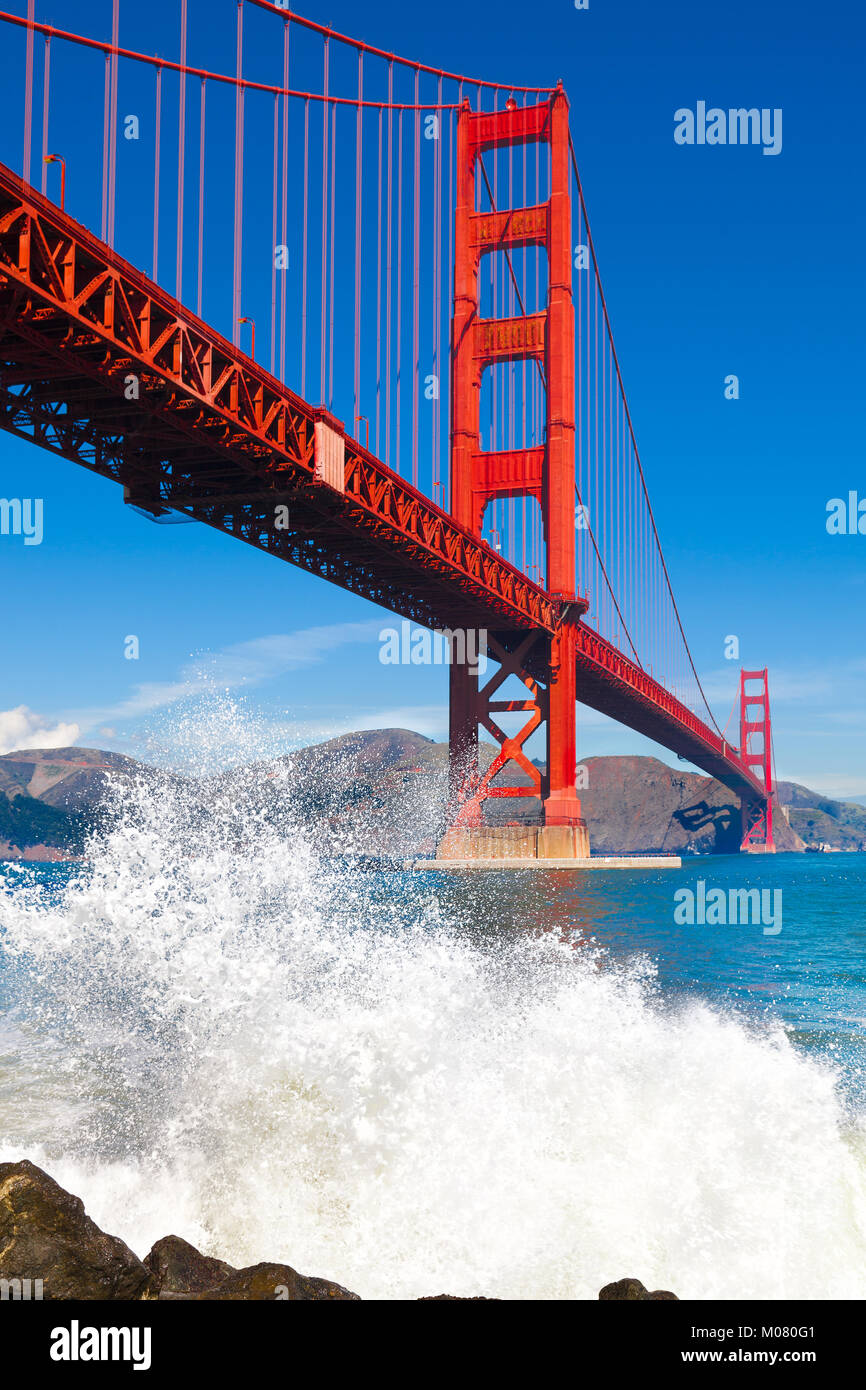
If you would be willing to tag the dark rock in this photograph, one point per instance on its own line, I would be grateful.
(456, 1298)
(179, 1268)
(274, 1282)
(45, 1234)
(633, 1291)
(630, 1290)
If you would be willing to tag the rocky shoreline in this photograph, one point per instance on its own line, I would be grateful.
(51, 1249)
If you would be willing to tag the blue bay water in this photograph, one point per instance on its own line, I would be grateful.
(810, 975)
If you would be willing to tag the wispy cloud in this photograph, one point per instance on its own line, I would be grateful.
(242, 665)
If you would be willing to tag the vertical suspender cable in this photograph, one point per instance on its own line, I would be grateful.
(45, 98)
(114, 110)
(181, 148)
(156, 141)
(619, 474)
(452, 206)
(275, 210)
(28, 88)
(437, 402)
(621, 502)
(596, 491)
(359, 145)
(399, 211)
(304, 250)
(379, 183)
(333, 241)
(645, 570)
(238, 248)
(106, 124)
(388, 265)
(200, 200)
(324, 261)
(437, 298)
(285, 195)
(112, 122)
(416, 287)
(608, 548)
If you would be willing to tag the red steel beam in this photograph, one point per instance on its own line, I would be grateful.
(66, 294)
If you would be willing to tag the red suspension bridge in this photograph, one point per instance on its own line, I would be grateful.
(412, 248)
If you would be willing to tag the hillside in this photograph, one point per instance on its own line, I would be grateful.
(30, 829)
(70, 778)
(383, 792)
(821, 820)
(48, 798)
(643, 804)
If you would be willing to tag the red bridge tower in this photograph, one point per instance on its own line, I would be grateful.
(544, 664)
(756, 752)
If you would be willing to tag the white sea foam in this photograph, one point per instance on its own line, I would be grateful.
(217, 1035)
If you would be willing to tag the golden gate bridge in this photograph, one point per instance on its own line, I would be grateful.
(439, 423)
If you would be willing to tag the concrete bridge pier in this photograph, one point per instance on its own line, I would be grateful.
(523, 842)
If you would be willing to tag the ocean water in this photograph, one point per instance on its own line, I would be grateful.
(523, 1085)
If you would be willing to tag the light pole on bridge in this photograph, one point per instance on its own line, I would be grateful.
(58, 159)
(252, 324)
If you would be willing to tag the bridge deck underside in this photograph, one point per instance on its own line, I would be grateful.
(208, 432)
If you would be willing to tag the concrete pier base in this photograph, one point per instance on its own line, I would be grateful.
(531, 847)
(599, 863)
(503, 842)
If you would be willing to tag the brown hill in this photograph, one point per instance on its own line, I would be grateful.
(638, 804)
(69, 778)
(383, 792)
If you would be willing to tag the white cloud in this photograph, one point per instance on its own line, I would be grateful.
(24, 728)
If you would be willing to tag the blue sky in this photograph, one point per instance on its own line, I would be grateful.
(714, 260)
